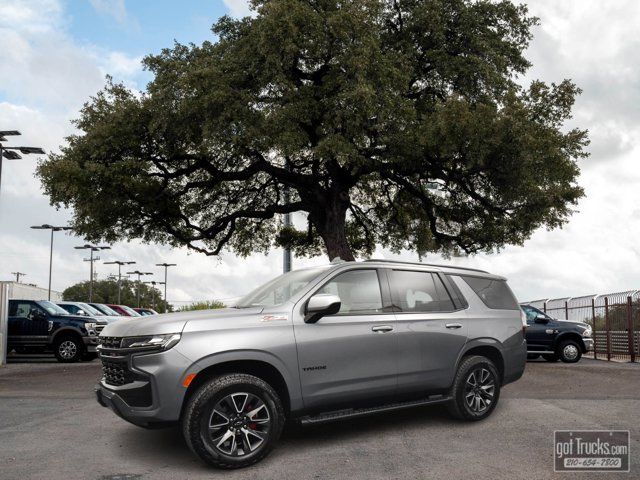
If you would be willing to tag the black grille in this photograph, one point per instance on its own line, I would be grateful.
(110, 342)
(116, 373)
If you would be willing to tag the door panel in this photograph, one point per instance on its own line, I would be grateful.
(428, 350)
(431, 334)
(349, 357)
(343, 360)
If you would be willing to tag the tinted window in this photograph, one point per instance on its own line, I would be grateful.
(20, 309)
(494, 293)
(359, 291)
(420, 292)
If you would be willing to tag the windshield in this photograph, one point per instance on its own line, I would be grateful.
(280, 289)
(106, 310)
(52, 308)
(89, 310)
(130, 311)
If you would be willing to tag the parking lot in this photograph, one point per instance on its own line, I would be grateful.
(52, 428)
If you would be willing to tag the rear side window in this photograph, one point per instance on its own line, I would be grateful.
(494, 293)
(419, 292)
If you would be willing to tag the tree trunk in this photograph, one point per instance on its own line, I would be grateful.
(330, 225)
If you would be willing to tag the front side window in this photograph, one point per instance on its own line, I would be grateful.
(420, 292)
(20, 309)
(359, 291)
(533, 313)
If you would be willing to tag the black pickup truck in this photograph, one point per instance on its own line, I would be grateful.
(556, 339)
(38, 326)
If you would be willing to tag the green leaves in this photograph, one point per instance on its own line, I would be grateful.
(395, 123)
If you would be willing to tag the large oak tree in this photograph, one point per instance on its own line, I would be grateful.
(401, 123)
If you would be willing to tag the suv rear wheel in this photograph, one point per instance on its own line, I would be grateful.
(476, 389)
(233, 421)
(569, 351)
(68, 349)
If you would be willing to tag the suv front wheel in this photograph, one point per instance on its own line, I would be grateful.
(476, 389)
(233, 421)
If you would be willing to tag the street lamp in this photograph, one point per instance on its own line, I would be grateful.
(139, 273)
(153, 284)
(166, 266)
(92, 248)
(10, 153)
(120, 263)
(53, 229)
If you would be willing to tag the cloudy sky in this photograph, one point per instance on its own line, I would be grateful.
(56, 53)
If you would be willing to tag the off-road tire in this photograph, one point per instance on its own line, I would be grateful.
(196, 417)
(458, 406)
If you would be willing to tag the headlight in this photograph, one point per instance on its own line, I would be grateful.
(90, 328)
(151, 342)
(587, 331)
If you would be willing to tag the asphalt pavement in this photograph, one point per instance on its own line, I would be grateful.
(52, 428)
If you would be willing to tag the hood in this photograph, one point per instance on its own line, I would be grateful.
(574, 322)
(169, 322)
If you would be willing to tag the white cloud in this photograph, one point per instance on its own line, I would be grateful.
(113, 8)
(239, 8)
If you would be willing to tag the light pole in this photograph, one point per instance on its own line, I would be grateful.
(120, 263)
(139, 273)
(10, 152)
(18, 275)
(53, 229)
(166, 266)
(92, 248)
(153, 284)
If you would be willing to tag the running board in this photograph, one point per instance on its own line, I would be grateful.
(363, 412)
(540, 352)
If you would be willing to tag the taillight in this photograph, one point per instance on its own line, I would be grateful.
(523, 318)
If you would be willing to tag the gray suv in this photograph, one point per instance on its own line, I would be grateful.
(316, 345)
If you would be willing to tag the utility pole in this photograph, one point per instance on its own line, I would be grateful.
(18, 275)
(139, 273)
(120, 263)
(91, 259)
(166, 266)
(53, 229)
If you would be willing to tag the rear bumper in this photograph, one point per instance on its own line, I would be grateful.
(515, 360)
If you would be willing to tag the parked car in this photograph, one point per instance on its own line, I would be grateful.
(124, 310)
(37, 326)
(146, 311)
(317, 345)
(556, 339)
(105, 309)
(84, 309)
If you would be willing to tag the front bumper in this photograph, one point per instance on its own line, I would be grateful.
(90, 343)
(153, 392)
(588, 344)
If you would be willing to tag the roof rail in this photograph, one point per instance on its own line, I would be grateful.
(425, 264)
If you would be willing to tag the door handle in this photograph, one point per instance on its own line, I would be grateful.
(382, 328)
(453, 325)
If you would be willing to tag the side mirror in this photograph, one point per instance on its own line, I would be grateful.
(541, 319)
(81, 312)
(37, 315)
(320, 305)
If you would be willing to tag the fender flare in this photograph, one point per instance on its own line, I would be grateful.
(291, 380)
(572, 336)
(64, 330)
